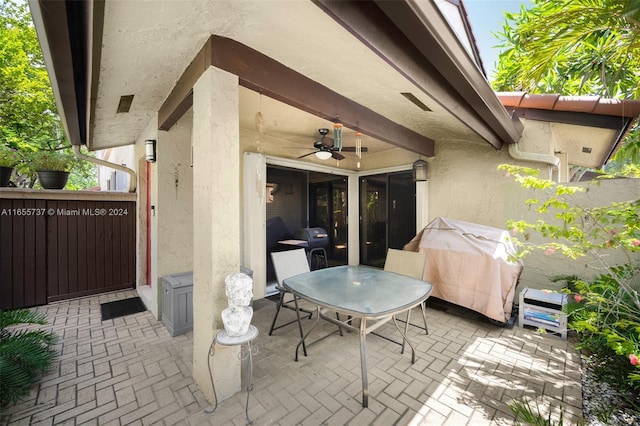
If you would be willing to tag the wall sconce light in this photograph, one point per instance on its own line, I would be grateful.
(420, 168)
(150, 150)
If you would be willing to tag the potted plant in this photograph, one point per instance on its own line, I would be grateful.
(9, 157)
(51, 167)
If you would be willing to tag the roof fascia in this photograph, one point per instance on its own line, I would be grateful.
(426, 28)
(585, 104)
(577, 118)
(616, 143)
(469, 30)
(60, 26)
(401, 35)
(94, 54)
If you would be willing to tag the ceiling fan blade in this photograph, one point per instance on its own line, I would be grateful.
(306, 155)
(337, 155)
(353, 149)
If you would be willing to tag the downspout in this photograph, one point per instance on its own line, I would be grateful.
(131, 173)
(549, 159)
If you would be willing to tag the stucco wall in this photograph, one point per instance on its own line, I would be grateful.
(464, 183)
(174, 210)
(539, 268)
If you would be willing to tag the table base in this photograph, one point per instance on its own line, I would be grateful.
(362, 330)
(224, 339)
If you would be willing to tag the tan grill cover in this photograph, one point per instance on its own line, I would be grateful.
(468, 265)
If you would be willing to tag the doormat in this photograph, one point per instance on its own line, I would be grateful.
(120, 308)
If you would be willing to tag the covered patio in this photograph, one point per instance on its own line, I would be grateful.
(129, 370)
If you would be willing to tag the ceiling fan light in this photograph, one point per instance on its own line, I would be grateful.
(323, 155)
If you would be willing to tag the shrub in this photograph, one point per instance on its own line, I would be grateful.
(9, 157)
(24, 354)
(605, 310)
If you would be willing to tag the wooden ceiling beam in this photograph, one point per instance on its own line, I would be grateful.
(264, 75)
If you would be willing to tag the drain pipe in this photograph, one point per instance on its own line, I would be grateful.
(549, 159)
(131, 173)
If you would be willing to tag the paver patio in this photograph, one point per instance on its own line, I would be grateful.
(130, 371)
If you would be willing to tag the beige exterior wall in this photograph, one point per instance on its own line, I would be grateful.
(539, 268)
(217, 222)
(174, 208)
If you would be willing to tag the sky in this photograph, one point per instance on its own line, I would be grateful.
(487, 17)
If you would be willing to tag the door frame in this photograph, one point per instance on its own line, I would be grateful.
(254, 208)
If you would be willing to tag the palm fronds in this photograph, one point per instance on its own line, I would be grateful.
(24, 353)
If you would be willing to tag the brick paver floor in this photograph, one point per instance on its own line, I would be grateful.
(130, 371)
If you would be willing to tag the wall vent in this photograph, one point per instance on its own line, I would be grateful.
(125, 103)
(417, 102)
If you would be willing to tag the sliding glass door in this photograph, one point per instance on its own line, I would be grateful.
(298, 199)
(387, 215)
(328, 210)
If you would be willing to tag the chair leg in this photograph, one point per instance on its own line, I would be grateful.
(406, 329)
(275, 317)
(424, 316)
(282, 304)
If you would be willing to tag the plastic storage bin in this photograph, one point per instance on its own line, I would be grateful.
(177, 303)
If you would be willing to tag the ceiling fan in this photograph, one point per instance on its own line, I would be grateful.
(325, 149)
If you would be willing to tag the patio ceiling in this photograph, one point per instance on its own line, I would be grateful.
(367, 52)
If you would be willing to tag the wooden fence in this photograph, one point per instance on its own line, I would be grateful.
(58, 245)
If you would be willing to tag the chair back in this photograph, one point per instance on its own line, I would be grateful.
(289, 263)
(409, 263)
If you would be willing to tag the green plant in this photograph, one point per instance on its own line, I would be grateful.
(607, 316)
(51, 160)
(9, 157)
(523, 411)
(24, 354)
(606, 310)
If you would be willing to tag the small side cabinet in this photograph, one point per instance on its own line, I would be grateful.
(177, 303)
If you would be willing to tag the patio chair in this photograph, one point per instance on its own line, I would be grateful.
(287, 264)
(409, 263)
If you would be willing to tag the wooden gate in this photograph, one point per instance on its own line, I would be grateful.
(53, 249)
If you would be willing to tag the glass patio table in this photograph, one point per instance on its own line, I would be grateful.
(370, 295)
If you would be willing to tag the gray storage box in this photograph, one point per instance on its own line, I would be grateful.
(177, 302)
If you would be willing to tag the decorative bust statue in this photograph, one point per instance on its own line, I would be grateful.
(236, 317)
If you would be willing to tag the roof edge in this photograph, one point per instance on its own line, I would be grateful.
(585, 104)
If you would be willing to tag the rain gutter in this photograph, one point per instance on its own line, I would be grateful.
(130, 172)
(548, 159)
